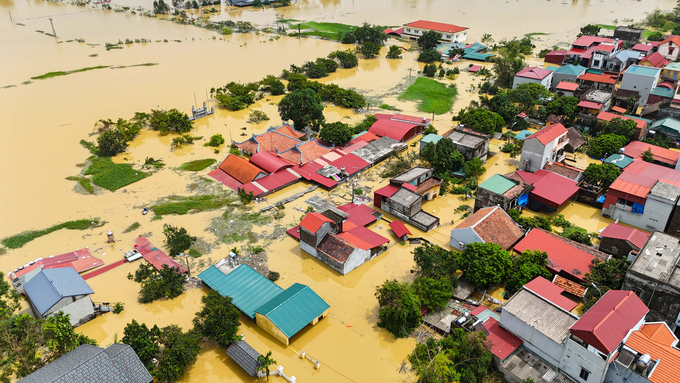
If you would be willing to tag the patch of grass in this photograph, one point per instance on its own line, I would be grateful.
(327, 30)
(19, 240)
(90, 146)
(536, 34)
(84, 182)
(112, 176)
(390, 107)
(93, 55)
(196, 165)
(647, 33)
(194, 253)
(181, 205)
(433, 95)
(608, 27)
(8, 86)
(132, 227)
(64, 73)
(3, 250)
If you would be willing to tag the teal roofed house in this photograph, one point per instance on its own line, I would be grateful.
(669, 127)
(567, 73)
(433, 138)
(506, 191)
(620, 160)
(477, 56)
(523, 135)
(281, 313)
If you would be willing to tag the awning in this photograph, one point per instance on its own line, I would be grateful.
(399, 228)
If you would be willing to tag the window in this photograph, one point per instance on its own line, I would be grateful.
(670, 50)
(584, 374)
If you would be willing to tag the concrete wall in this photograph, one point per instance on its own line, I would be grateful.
(639, 83)
(618, 373)
(535, 152)
(619, 248)
(454, 38)
(465, 235)
(264, 323)
(330, 261)
(517, 81)
(557, 78)
(539, 344)
(575, 357)
(356, 259)
(665, 51)
(485, 198)
(655, 216)
(662, 300)
(79, 308)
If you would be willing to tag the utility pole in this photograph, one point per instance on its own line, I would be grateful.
(299, 30)
(53, 31)
(409, 72)
(10, 17)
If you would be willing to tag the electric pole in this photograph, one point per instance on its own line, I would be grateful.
(53, 31)
(10, 17)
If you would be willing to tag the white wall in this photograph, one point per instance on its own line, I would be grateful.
(655, 216)
(535, 152)
(465, 235)
(308, 248)
(541, 345)
(576, 357)
(356, 259)
(663, 50)
(77, 310)
(546, 82)
(450, 37)
(639, 83)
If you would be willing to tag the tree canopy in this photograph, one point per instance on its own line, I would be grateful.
(304, 108)
(177, 239)
(433, 293)
(399, 308)
(563, 106)
(620, 127)
(485, 264)
(166, 283)
(504, 107)
(432, 261)
(529, 94)
(589, 30)
(170, 121)
(347, 58)
(144, 341)
(608, 275)
(370, 33)
(394, 52)
(336, 133)
(429, 40)
(482, 120)
(605, 144)
(180, 349)
(443, 156)
(218, 319)
(529, 265)
(508, 62)
(429, 55)
(236, 96)
(601, 174)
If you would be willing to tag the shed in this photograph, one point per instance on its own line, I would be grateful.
(290, 311)
(551, 292)
(523, 135)
(619, 240)
(491, 224)
(550, 190)
(61, 289)
(247, 288)
(620, 160)
(245, 356)
(429, 138)
(502, 343)
(669, 127)
(399, 229)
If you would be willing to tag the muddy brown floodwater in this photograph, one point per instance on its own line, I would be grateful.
(44, 120)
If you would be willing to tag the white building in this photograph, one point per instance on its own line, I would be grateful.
(61, 289)
(450, 33)
(546, 145)
(670, 48)
(534, 75)
(641, 79)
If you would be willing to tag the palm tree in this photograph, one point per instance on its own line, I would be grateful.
(265, 362)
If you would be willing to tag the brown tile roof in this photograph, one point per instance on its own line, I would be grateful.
(240, 168)
(518, 189)
(335, 247)
(312, 150)
(570, 286)
(428, 185)
(492, 224)
(554, 119)
(268, 141)
(563, 170)
(575, 138)
(289, 131)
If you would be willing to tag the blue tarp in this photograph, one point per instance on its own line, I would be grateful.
(600, 199)
(523, 199)
(638, 208)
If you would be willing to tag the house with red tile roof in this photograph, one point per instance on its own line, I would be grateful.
(602, 81)
(619, 240)
(655, 60)
(551, 292)
(543, 146)
(670, 48)
(450, 33)
(487, 225)
(398, 126)
(662, 156)
(598, 335)
(536, 75)
(240, 169)
(641, 125)
(582, 50)
(269, 141)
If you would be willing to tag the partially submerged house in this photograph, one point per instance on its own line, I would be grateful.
(535, 75)
(574, 140)
(114, 364)
(550, 190)
(640, 124)
(545, 145)
(668, 127)
(420, 180)
(63, 289)
(281, 313)
(508, 192)
(619, 240)
(470, 143)
(450, 33)
(245, 356)
(487, 225)
(399, 127)
(602, 82)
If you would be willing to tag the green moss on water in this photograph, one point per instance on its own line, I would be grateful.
(197, 165)
(112, 176)
(19, 240)
(84, 182)
(433, 95)
(194, 253)
(64, 73)
(182, 205)
(132, 227)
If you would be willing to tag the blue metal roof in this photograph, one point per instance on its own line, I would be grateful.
(433, 138)
(643, 70)
(49, 286)
(571, 69)
(620, 160)
(663, 92)
(477, 56)
(523, 135)
(245, 286)
(294, 308)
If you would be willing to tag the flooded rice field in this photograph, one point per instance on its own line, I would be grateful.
(44, 120)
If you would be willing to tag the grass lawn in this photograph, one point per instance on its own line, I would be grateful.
(433, 95)
(608, 27)
(197, 165)
(84, 182)
(327, 30)
(182, 205)
(19, 240)
(64, 73)
(113, 176)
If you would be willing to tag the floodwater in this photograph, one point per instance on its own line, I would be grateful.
(44, 120)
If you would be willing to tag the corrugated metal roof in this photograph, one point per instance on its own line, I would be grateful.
(48, 286)
(434, 26)
(534, 72)
(636, 148)
(574, 70)
(551, 292)
(523, 135)
(549, 186)
(620, 160)
(269, 162)
(643, 70)
(399, 228)
(433, 138)
(240, 168)
(294, 308)
(590, 105)
(497, 184)
(245, 286)
(634, 236)
(501, 342)
(313, 221)
(387, 191)
(361, 215)
(549, 133)
(611, 318)
(668, 123)
(656, 59)
(245, 356)
(363, 238)
(564, 85)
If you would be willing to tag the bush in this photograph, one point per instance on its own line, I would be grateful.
(433, 293)
(111, 142)
(394, 52)
(605, 145)
(430, 70)
(577, 234)
(215, 140)
(170, 121)
(364, 125)
(118, 308)
(429, 56)
(273, 276)
(369, 49)
(601, 174)
(347, 59)
(336, 133)
(257, 116)
(177, 239)
(399, 308)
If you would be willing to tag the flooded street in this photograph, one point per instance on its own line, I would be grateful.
(44, 120)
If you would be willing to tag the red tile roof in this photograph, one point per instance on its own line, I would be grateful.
(590, 105)
(501, 342)
(673, 39)
(268, 141)
(636, 148)
(434, 26)
(289, 131)
(564, 255)
(335, 247)
(549, 187)
(640, 47)
(387, 191)
(656, 59)
(156, 257)
(239, 168)
(313, 221)
(564, 85)
(269, 162)
(608, 322)
(399, 228)
(619, 109)
(667, 370)
(606, 116)
(636, 237)
(550, 292)
(226, 180)
(396, 126)
(494, 225)
(363, 238)
(534, 72)
(361, 215)
(563, 170)
(600, 78)
(549, 133)
(570, 286)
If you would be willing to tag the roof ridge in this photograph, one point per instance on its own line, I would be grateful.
(61, 294)
(493, 209)
(610, 313)
(101, 349)
(289, 298)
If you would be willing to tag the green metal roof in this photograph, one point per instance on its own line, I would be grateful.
(477, 56)
(552, 68)
(433, 138)
(663, 92)
(667, 123)
(497, 184)
(571, 69)
(294, 308)
(245, 286)
(673, 66)
(523, 135)
(643, 70)
(619, 160)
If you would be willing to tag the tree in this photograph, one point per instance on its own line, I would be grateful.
(433, 293)
(648, 156)
(315, 70)
(347, 58)
(218, 319)
(265, 361)
(605, 144)
(111, 142)
(430, 70)
(436, 263)
(364, 125)
(170, 121)
(474, 169)
(394, 52)
(61, 337)
(336, 133)
(529, 265)
(369, 49)
(610, 273)
(235, 96)
(601, 174)
(429, 56)
(399, 308)
(487, 39)
(429, 40)
(655, 36)
(577, 234)
(144, 342)
(257, 3)
(160, 7)
(179, 350)
(304, 108)
(501, 104)
(167, 282)
(485, 264)
(621, 127)
(589, 30)
(507, 63)
(563, 106)
(443, 156)
(177, 239)
(659, 140)
(370, 33)
(529, 94)
(482, 120)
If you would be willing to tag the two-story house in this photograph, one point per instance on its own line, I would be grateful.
(546, 145)
(670, 48)
(534, 75)
(640, 79)
(450, 33)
